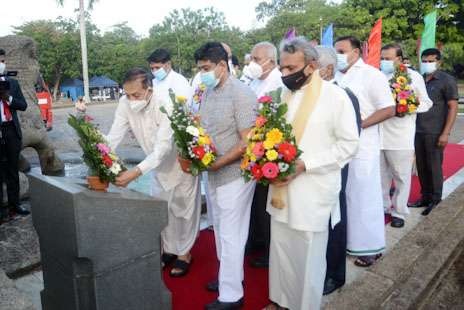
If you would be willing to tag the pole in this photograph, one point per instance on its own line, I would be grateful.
(85, 69)
(320, 33)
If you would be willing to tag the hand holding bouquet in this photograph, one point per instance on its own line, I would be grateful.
(403, 94)
(271, 152)
(97, 155)
(196, 150)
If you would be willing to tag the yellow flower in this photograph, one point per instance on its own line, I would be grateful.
(249, 150)
(253, 157)
(245, 162)
(196, 98)
(202, 87)
(272, 155)
(402, 80)
(207, 159)
(181, 99)
(275, 135)
(403, 102)
(412, 108)
(202, 140)
(202, 131)
(113, 156)
(268, 144)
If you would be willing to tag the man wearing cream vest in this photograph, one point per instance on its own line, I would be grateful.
(139, 111)
(324, 124)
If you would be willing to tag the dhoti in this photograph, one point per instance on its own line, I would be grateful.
(184, 209)
(297, 266)
(366, 223)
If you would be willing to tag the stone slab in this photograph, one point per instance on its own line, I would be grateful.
(10, 297)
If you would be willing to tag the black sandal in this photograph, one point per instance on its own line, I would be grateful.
(167, 259)
(183, 266)
(367, 261)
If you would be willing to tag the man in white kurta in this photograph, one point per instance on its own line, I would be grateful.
(397, 141)
(366, 226)
(328, 138)
(140, 112)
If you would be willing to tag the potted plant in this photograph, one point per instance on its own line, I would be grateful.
(104, 166)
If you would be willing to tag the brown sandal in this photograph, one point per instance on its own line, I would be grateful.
(367, 260)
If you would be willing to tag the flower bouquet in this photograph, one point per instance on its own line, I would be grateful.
(403, 94)
(271, 152)
(104, 166)
(196, 150)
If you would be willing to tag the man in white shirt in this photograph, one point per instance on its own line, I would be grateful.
(165, 77)
(324, 124)
(139, 111)
(266, 77)
(366, 226)
(397, 140)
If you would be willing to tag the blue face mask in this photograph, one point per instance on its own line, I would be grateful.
(387, 66)
(160, 74)
(428, 67)
(209, 79)
(342, 62)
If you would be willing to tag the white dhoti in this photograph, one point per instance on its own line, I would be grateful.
(232, 205)
(209, 207)
(366, 223)
(184, 209)
(297, 266)
(396, 165)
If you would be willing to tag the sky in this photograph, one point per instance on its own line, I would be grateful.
(140, 14)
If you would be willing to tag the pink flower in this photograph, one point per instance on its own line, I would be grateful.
(396, 85)
(258, 150)
(265, 99)
(103, 148)
(403, 94)
(260, 121)
(270, 170)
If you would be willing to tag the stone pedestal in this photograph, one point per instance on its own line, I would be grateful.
(98, 250)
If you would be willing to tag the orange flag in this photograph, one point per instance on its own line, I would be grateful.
(375, 44)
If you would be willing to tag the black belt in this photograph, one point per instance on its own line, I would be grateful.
(7, 124)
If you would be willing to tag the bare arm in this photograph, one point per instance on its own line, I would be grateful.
(378, 117)
(233, 154)
(450, 119)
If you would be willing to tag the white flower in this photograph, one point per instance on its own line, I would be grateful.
(115, 168)
(283, 167)
(193, 131)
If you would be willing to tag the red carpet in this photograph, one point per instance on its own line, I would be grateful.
(189, 293)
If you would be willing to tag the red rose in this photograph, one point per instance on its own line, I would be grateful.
(257, 172)
(199, 152)
(265, 99)
(403, 68)
(107, 161)
(288, 151)
(402, 108)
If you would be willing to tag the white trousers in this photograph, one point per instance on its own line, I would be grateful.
(184, 210)
(396, 165)
(297, 266)
(209, 207)
(231, 207)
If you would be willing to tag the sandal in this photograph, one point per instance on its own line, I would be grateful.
(366, 261)
(167, 259)
(183, 266)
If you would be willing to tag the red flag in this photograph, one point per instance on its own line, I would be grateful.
(375, 44)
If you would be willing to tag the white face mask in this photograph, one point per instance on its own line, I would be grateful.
(2, 67)
(138, 105)
(428, 67)
(253, 70)
(342, 62)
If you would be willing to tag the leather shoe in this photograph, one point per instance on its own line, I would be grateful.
(397, 222)
(260, 262)
(219, 305)
(429, 208)
(19, 209)
(213, 286)
(419, 203)
(330, 285)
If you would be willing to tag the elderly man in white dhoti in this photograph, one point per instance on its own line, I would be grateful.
(366, 224)
(324, 124)
(139, 111)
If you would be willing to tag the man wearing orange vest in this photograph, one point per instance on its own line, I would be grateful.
(45, 104)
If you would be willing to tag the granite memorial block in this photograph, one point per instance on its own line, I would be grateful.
(98, 250)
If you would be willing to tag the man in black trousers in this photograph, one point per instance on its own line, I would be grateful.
(336, 245)
(433, 129)
(11, 100)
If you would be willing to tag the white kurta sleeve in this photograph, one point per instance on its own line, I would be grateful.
(379, 90)
(425, 103)
(119, 127)
(345, 131)
(163, 141)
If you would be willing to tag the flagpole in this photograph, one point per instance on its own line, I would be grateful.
(320, 33)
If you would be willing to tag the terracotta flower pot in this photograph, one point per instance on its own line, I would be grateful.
(96, 184)
(184, 164)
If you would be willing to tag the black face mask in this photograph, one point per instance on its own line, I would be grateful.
(295, 80)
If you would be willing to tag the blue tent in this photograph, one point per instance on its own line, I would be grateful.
(72, 88)
(102, 82)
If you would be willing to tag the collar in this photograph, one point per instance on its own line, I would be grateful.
(436, 75)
